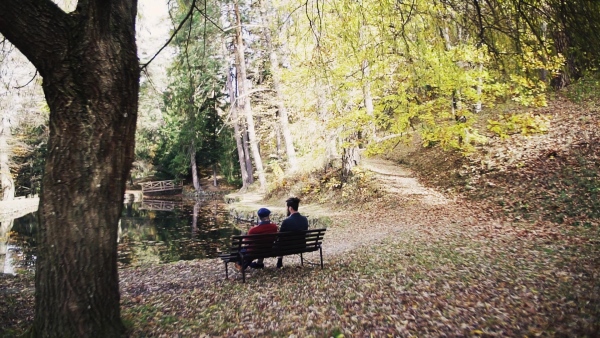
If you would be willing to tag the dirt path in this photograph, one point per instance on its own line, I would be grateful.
(408, 206)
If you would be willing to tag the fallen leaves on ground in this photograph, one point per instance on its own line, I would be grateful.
(451, 275)
(393, 267)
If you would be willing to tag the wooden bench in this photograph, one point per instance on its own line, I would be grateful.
(250, 247)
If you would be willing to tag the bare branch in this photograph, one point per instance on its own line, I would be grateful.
(187, 16)
(28, 82)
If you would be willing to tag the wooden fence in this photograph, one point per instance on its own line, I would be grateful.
(160, 186)
(161, 205)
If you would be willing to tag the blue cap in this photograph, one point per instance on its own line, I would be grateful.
(263, 212)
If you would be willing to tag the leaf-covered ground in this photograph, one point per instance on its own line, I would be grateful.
(412, 262)
(457, 276)
(553, 176)
(394, 267)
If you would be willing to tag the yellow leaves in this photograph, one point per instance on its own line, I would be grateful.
(523, 123)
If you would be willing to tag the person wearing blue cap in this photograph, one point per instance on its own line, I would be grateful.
(264, 226)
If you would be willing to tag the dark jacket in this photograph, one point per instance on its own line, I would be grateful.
(295, 222)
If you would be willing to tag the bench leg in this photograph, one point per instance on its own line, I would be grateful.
(226, 271)
(321, 253)
(243, 273)
(301, 260)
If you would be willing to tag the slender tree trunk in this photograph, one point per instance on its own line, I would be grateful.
(244, 98)
(195, 219)
(195, 180)
(280, 99)
(350, 159)
(247, 159)
(479, 103)
(214, 170)
(368, 97)
(90, 71)
(236, 131)
(244, 133)
(368, 100)
(7, 183)
(544, 71)
(5, 227)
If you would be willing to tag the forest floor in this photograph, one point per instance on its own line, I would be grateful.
(420, 259)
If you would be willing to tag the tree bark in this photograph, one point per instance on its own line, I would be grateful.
(244, 98)
(214, 170)
(5, 227)
(236, 131)
(194, 165)
(350, 159)
(90, 71)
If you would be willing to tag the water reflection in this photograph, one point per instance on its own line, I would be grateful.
(150, 232)
(166, 231)
(17, 244)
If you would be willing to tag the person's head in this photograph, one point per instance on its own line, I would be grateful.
(293, 203)
(263, 214)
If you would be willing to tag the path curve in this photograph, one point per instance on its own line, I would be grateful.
(410, 208)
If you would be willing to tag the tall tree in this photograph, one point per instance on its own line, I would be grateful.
(196, 78)
(237, 131)
(267, 12)
(90, 72)
(244, 96)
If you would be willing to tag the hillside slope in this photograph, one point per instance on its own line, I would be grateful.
(542, 177)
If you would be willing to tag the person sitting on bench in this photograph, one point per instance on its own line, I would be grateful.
(264, 226)
(294, 221)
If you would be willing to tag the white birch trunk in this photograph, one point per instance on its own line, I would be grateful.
(6, 181)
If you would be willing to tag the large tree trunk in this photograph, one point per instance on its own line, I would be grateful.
(90, 76)
(244, 97)
(562, 45)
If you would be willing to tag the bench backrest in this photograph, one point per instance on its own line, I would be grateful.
(281, 243)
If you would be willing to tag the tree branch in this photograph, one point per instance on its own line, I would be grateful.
(187, 16)
(35, 27)
(28, 82)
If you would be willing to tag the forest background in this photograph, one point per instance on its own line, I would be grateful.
(323, 84)
(293, 94)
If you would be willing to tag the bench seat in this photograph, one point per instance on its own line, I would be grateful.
(250, 247)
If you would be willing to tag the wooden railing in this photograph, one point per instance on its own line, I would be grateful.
(160, 186)
(161, 205)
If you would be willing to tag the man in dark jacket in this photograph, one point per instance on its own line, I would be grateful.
(294, 221)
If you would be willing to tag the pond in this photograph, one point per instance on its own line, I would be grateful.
(150, 232)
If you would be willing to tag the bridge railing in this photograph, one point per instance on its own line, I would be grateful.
(161, 205)
(161, 186)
